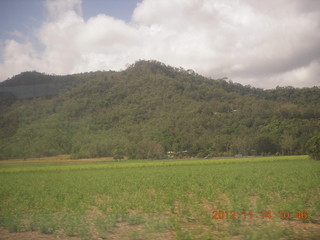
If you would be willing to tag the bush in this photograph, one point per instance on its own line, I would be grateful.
(313, 147)
(117, 154)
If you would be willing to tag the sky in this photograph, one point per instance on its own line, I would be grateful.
(264, 44)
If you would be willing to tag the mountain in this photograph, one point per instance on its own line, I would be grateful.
(33, 84)
(150, 110)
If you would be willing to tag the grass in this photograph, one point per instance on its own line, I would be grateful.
(162, 199)
(54, 166)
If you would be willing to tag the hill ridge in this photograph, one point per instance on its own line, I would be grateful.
(151, 109)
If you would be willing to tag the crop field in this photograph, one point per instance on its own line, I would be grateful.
(236, 198)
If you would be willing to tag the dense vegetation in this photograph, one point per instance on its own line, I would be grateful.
(313, 147)
(166, 199)
(151, 109)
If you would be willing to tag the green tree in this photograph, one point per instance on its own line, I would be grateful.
(118, 154)
(266, 145)
(313, 147)
(287, 143)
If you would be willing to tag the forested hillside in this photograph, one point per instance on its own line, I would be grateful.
(151, 109)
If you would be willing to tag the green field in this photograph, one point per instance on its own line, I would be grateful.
(167, 199)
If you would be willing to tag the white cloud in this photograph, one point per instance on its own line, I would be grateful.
(59, 8)
(262, 43)
(17, 56)
(300, 76)
(249, 41)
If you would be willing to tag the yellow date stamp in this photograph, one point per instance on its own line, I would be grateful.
(220, 214)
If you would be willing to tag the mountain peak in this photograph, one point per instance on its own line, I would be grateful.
(156, 67)
(27, 78)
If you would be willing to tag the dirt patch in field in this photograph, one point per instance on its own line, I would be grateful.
(6, 235)
(304, 230)
(222, 199)
(253, 201)
(124, 231)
